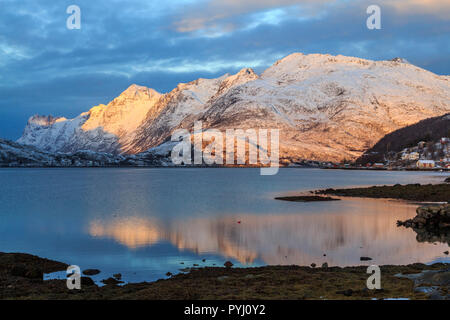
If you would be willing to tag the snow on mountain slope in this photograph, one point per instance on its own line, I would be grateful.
(13, 154)
(100, 129)
(182, 107)
(326, 107)
(330, 108)
(125, 113)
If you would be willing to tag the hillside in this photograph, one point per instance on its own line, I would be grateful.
(428, 130)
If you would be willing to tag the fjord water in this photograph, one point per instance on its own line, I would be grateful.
(144, 223)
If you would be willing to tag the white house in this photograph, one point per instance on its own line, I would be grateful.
(414, 156)
(425, 164)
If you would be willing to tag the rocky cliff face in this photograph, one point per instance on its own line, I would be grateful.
(326, 107)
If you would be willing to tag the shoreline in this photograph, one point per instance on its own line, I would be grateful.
(21, 278)
(21, 275)
(431, 193)
(442, 170)
(435, 193)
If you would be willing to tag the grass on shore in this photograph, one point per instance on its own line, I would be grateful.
(271, 282)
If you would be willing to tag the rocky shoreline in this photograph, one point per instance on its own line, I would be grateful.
(21, 277)
(410, 192)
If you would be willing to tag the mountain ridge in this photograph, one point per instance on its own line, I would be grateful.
(327, 108)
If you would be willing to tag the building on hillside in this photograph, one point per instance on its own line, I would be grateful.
(425, 164)
(421, 144)
(405, 156)
(378, 165)
(413, 156)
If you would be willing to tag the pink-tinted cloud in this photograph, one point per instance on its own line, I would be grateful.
(215, 14)
(438, 8)
(227, 15)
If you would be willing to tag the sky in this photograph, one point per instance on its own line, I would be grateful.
(47, 68)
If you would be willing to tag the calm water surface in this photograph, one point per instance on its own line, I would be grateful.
(145, 222)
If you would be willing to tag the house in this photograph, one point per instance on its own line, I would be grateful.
(378, 165)
(414, 156)
(425, 164)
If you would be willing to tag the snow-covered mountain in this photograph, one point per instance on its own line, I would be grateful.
(326, 107)
(13, 154)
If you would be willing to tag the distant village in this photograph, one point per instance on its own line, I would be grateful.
(423, 156)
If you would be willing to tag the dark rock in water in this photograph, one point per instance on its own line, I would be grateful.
(228, 264)
(365, 258)
(447, 180)
(169, 274)
(434, 283)
(306, 198)
(203, 260)
(111, 281)
(446, 252)
(91, 272)
(432, 223)
(117, 276)
(86, 281)
(313, 265)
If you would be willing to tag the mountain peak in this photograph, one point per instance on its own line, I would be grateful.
(247, 72)
(45, 121)
(326, 107)
(400, 60)
(137, 91)
(317, 59)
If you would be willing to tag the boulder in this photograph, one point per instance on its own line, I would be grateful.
(432, 223)
(91, 272)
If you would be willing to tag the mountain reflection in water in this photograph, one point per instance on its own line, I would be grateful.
(146, 222)
(355, 228)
